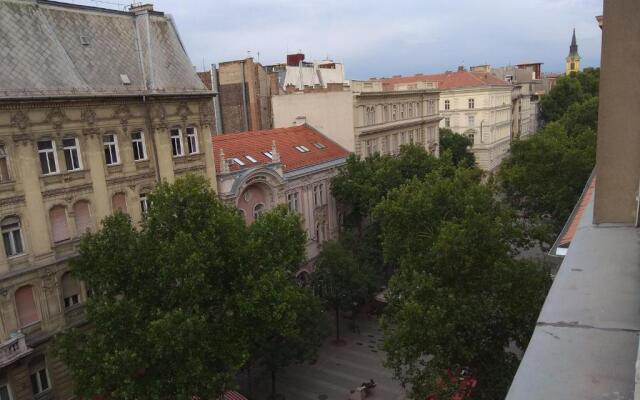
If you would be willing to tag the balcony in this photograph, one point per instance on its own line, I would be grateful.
(13, 349)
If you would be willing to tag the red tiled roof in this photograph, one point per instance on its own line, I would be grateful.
(575, 218)
(254, 143)
(448, 80)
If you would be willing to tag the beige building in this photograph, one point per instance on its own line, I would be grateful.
(96, 107)
(294, 166)
(364, 118)
(472, 103)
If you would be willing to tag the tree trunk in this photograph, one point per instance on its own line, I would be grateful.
(273, 383)
(337, 324)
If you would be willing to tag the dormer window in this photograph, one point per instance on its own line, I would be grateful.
(253, 160)
(268, 154)
(319, 145)
(238, 161)
(302, 149)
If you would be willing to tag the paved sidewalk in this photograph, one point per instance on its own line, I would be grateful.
(338, 370)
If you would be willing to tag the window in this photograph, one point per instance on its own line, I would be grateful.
(403, 110)
(70, 290)
(237, 161)
(26, 306)
(176, 142)
(258, 210)
(71, 156)
(370, 117)
(318, 195)
(5, 393)
(268, 154)
(12, 236)
(137, 142)
(144, 203)
(385, 145)
(385, 113)
(471, 103)
(471, 138)
(394, 143)
(39, 378)
(48, 157)
(372, 147)
(110, 142)
(82, 217)
(411, 137)
(302, 149)
(4, 168)
(394, 112)
(447, 122)
(419, 136)
(447, 105)
(192, 140)
(410, 110)
(119, 202)
(253, 160)
(292, 201)
(472, 121)
(59, 227)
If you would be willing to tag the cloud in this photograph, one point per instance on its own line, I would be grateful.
(380, 38)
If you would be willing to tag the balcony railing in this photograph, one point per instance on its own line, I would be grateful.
(13, 349)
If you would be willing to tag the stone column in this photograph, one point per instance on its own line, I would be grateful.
(39, 242)
(95, 163)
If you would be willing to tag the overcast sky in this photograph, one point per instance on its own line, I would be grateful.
(390, 37)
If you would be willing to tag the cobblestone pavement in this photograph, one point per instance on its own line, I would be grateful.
(338, 370)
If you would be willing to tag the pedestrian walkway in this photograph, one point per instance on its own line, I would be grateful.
(338, 370)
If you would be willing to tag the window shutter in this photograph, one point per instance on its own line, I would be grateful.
(26, 306)
(58, 217)
(119, 203)
(83, 218)
(70, 285)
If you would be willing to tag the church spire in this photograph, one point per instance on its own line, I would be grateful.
(573, 49)
(573, 60)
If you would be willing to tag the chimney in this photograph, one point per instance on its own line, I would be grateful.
(294, 60)
(140, 7)
(460, 68)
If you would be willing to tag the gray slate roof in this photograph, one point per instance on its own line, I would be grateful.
(42, 53)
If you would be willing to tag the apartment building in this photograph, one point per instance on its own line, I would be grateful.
(363, 118)
(472, 103)
(294, 166)
(96, 107)
(244, 90)
(298, 73)
(585, 343)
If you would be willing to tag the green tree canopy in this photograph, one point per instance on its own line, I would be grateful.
(568, 90)
(458, 298)
(458, 145)
(174, 301)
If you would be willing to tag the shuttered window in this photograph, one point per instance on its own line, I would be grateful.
(70, 290)
(26, 306)
(59, 228)
(119, 202)
(82, 217)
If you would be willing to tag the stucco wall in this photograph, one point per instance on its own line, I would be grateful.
(331, 113)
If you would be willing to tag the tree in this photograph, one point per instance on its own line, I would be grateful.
(459, 297)
(458, 145)
(568, 90)
(338, 280)
(289, 324)
(174, 300)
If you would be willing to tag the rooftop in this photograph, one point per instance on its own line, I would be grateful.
(297, 147)
(449, 80)
(52, 49)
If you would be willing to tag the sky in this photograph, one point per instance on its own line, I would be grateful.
(376, 38)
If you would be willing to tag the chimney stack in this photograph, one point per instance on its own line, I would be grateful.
(141, 7)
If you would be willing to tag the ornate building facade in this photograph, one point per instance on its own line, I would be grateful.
(260, 169)
(96, 107)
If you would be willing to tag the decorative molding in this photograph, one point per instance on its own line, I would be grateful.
(56, 118)
(89, 116)
(123, 113)
(183, 111)
(131, 179)
(66, 190)
(23, 139)
(12, 200)
(20, 119)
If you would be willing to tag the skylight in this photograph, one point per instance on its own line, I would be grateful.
(253, 160)
(238, 161)
(319, 145)
(302, 149)
(268, 154)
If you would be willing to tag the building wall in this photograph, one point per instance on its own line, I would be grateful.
(330, 112)
(491, 113)
(384, 121)
(618, 166)
(30, 196)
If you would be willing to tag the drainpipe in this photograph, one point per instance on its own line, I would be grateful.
(244, 98)
(216, 99)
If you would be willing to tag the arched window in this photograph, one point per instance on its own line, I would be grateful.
(59, 227)
(82, 217)
(70, 290)
(12, 236)
(119, 203)
(258, 210)
(26, 306)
